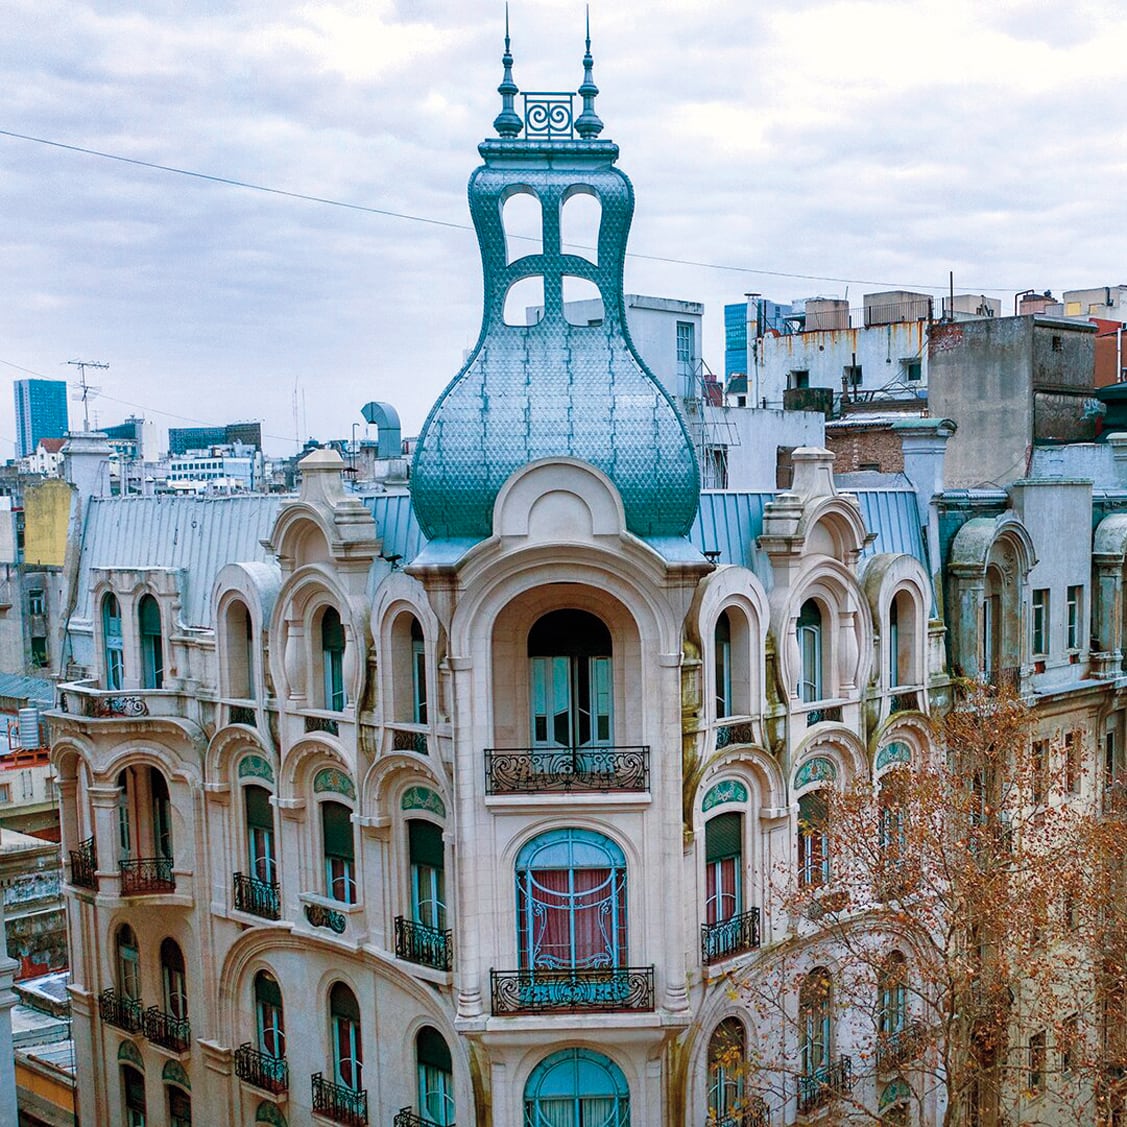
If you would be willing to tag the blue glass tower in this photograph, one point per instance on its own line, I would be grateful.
(41, 412)
(552, 389)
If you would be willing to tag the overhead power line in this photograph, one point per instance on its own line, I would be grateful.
(233, 182)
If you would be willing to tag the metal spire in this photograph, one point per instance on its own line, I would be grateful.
(507, 122)
(588, 125)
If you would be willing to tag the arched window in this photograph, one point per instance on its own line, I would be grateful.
(723, 847)
(260, 834)
(268, 1015)
(571, 901)
(162, 815)
(428, 892)
(174, 985)
(809, 630)
(436, 1080)
(576, 1088)
(727, 1071)
(572, 686)
(152, 646)
(902, 657)
(991, 655)
(418, 673)
(339, 852)
(813, 839)
(344, 1023)
(112, 643)
(815, 1003)
(332, 660)
(894, 643)
(179, 1107)
(895, 869)
(124, 820)
(892, 1009)
(723, 658)
(133, 1094)
(239, 637)
(128, 964)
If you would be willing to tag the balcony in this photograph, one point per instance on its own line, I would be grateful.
(825, 1084)
(83, 698)
(167, 1030)
(900, 1046)
(572, 991)
(405, 1117)
(119, 1011)
(270, 1074)
(257, 897)
(567, 770)
(147, 876)
(84, 865)
(338, 1103)
(729, 937)
(427, 946)
(755, 1114)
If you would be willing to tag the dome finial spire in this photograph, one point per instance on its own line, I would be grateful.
(507, 122)
(588, 125)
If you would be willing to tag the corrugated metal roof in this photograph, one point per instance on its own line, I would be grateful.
(396, 525)
(198, 534)
(15, 686)
(728, 523)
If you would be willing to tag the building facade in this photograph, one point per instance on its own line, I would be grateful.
(41, 412)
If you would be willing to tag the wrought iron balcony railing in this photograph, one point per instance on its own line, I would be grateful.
(730, 936)
(825, 1084)
(409, 739)
(903, 700)
(84, 864)
(566, 770)
(146, 875)
(322, 724)
(117, 1010)
(754, 1113)
(428, 946)
(258, 897)
(830, 712)
(899, 1046)
(242, 714)
(271, 1074)
(406, 1117)
(338, 1103)
(167, 1030)
(579, 990)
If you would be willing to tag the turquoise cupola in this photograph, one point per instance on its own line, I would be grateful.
(552, 389)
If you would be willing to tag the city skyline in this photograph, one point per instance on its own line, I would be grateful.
(822, 148)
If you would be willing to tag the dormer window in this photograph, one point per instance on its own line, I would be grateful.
(810, 652)
(152, 646)
(332, 660)
(112, 643)
(570, 652)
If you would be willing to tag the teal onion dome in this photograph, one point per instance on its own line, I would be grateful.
(553, 389)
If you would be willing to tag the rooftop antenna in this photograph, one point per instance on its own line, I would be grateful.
(85, 391)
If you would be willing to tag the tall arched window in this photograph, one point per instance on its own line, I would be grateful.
(112, 643)
(576, 1088)
(128, 964)
(260, 834)
(723, 658)
(813, 839)
(815, 1004)
(894, 643)
(571, 901)
(179, 1107)
(162, 815)
(435, 1075)
(727, 1071)
(809, 630)
(239, 654)
(344, 1023)
(892, 1011)
(339, 852)
(174, 985)
(152, 645)
(428, 891)
(723, 845)
(572, 686)
(418, 673)
(332, 660)
(269, 1018)
(895, 872)
(124, 818)
(133, 1096)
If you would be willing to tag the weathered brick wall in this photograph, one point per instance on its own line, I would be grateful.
(856, 449)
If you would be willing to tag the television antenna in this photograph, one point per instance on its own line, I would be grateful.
(83, 390)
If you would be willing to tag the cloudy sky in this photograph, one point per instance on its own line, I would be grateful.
(802, 148)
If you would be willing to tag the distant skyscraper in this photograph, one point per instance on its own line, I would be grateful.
(41, 412)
